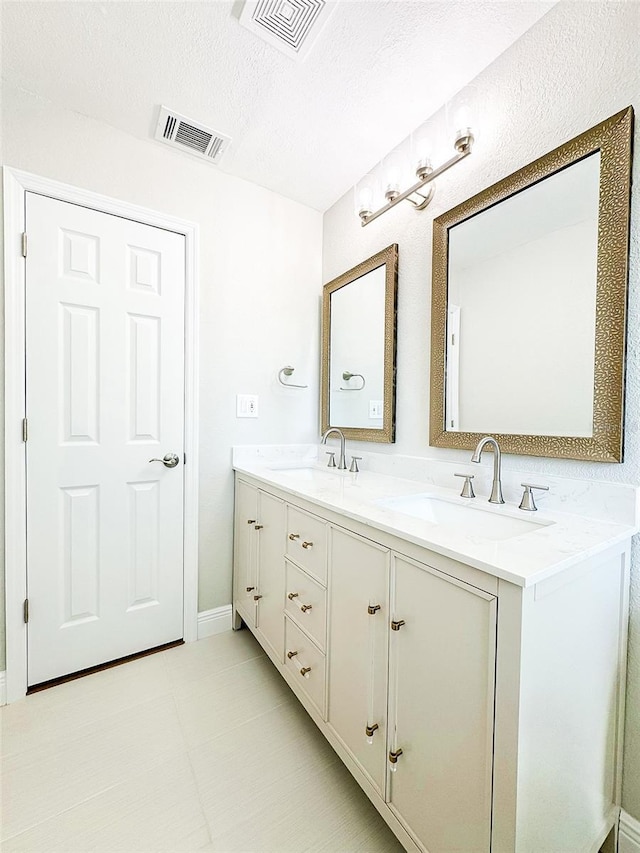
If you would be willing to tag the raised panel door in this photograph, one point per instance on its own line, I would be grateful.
(104, 395)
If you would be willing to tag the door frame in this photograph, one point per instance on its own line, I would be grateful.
(16, 184)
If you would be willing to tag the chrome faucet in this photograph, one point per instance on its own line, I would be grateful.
(342, 462)
(496, 489)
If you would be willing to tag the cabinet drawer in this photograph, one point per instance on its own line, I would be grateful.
(307, 542)
(306, 663)
(306, 603)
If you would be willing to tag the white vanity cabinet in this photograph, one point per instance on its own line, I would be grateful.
(260, 579)
(441, 700)
(358, 651)
(479, 715)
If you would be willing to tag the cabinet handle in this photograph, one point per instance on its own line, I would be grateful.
(291, 654)
(373, 609)
(307, 544)
(258, 526)
(294, 536)
(250, 588)
(395, 626)
(292, 595)
(257, 597)
(393, 759)
(304, 671)
(251, 521)
(306, 607)
(370, 730)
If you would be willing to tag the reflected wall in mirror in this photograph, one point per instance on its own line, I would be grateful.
(359, 349)
(529, 304)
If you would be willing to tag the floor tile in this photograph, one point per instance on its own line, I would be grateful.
(155, 811)
(42, 782)
(56, 713)
(213, 705)
(193, 661)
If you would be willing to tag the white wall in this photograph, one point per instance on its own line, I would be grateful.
(575, 67)
(260, 282)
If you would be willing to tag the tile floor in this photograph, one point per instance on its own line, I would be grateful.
(198, 748)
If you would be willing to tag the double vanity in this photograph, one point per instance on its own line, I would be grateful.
(465, 659)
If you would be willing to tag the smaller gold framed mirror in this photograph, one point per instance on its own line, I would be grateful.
(529, 299)
(358, 370)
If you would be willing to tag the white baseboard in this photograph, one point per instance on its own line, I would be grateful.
(3, 688)
(629, 834)
(214, 621)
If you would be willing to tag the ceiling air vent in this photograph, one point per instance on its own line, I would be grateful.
(191, 137)
(290, 25)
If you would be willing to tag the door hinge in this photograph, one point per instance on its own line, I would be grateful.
(185, 458)
(24, 244)
(25, 610)
(25, 430)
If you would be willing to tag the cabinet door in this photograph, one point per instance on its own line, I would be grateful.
(271, 572)
(245, 552)
(357, 658)
(441, 708)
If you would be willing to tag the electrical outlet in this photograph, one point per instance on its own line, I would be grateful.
(375, 408)
(246, 405)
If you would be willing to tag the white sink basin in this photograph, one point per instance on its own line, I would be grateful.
(466, 518)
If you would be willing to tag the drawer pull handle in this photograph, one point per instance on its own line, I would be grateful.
(291, 654)
(395, 626)
(304, 671)
(258, 526)
(292, 595)
(373, 609)
(306, 607)
(294, 536)
(250, 588)
(307, 544)
(251, 521)
(393, 759)
(257, 597)
(369, 731)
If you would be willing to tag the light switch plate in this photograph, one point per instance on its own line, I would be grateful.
(246, 405)
(375, 408)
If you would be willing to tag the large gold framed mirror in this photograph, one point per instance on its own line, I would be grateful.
(358, 373)
(529, 297)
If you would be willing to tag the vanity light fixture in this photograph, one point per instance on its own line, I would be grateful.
(426, 174)
(392, 166)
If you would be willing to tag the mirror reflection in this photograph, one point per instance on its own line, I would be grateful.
(358, 357)
(356, 383)
(521, 310)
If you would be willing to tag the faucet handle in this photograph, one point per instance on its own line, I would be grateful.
(527, 503)
(467, 489)
(332, 459)
(353, 468)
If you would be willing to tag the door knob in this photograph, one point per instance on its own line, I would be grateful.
(170, 460)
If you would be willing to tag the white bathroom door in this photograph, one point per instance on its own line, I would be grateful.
(104, 395)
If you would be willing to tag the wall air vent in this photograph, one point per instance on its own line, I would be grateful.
(190, 137)
(290, 25)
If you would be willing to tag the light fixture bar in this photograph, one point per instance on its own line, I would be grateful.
(464, 149)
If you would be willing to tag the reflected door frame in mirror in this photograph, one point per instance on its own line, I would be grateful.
(613, 139)
(389, 259)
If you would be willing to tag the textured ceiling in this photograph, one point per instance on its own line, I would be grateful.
(307, 129)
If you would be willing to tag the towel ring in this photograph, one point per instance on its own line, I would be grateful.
(287, 371)
(347, 376)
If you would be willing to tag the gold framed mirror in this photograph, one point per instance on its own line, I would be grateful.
(358, 366)
(528, 317)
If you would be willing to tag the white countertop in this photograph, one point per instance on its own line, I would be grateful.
(562, 539)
